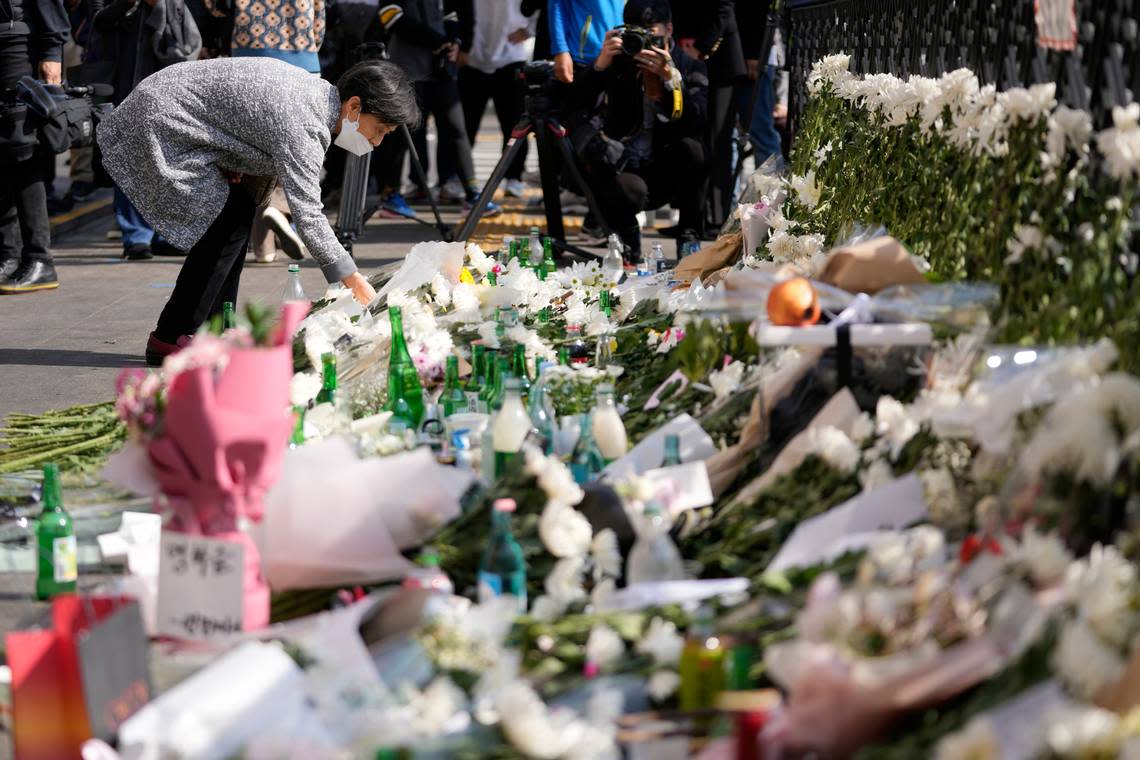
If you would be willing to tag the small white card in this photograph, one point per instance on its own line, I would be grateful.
(682, 487)
(199, 587)
(647, 455)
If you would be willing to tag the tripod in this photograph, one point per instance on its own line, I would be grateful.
(551, 136)
(354, 209)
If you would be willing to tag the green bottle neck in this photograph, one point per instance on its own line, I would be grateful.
(501, 524)
(451, 379)
(399, 345)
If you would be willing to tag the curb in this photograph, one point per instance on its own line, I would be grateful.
(99, 207)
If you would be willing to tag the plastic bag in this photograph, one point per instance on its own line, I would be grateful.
(766, 182)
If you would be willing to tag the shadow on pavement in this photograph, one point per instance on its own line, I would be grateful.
(48, 357)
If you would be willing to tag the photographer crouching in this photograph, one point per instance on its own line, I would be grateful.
(198, 147)
(638, 117)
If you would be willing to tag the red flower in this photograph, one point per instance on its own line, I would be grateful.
(975, 544)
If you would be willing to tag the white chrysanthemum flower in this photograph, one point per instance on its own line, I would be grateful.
(1045, 556)
(662, 642)
(1083, 732)
(441, 290)
(1069, 129)
(876, 476)
(436, 706)
(895, 423)
(807, 191)
(465, 299)
(1104, 587)
(662, 685)
(565, 532)
(808, 246)
(1074, 438)
(487, 334)
(479, 261)
(547, 609)
(941, 497)
(530, 728)
(564, 581)
(1026, 237)
(977, 741)
(862, 428)
(607, 555)
(781, 246)
(554, 478)
(604, 646)
(321, 421)
(303, 388)
(725, 382)
(958, 87)
(833, 446)
(1120, 144)
(1083, 661)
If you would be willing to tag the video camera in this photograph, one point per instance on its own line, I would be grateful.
(634, 39)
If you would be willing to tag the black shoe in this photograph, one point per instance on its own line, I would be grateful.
(671, 232)
(82, 190)
(163, 248)
(29, 277)
(60, 205)
(7, 266)
(137, 252)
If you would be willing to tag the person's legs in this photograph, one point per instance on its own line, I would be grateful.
(719, 139)
(442, 99)
(136, 232)
(763, 135)
(210, 274)
(508, 98)
(474, 92)
(620, 197)
(10, 244)
(678, 180)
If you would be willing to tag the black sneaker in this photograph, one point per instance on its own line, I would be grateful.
(137, 252)
(82, 190)
(8, 265)
(163, 248)
(29, 277)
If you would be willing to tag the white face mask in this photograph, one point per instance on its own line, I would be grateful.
(351, 140)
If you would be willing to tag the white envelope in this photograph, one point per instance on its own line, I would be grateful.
(685, 486)
(696, 445)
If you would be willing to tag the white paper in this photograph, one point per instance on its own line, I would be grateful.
(333, 519)
(892, 506)
(638, 596)
(199, 587)
(685, 486)
(423, 262)
(137, 542)
(254, 690)
(647, 455)
(905, 334)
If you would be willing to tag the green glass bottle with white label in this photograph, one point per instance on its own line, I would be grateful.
(58, 564)
(502, 570)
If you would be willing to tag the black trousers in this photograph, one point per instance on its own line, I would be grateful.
(719, 139)
(24, 228)
(440, 98)
(505, 91)
(212, 269)
(675, 180)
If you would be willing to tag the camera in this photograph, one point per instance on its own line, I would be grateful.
(538, 75)
(634, 39)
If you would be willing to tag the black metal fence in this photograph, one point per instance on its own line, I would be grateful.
(996, 39)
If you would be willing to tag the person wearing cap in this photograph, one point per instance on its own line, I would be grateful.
(197, 147)
(651, 107)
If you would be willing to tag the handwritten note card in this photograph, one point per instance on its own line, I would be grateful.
(199, 587)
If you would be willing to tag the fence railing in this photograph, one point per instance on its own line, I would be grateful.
(996, 39)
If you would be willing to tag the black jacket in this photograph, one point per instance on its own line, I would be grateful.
(711, 24)
(140, 39)
(42, 23)
(415, 29)
(614, 100)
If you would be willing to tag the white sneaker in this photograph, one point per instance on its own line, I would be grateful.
(287, 237)
(114, 234)
(268, 258)
(515, 188)
(642, 220)
(452, 192)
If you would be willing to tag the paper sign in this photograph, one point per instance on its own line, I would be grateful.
(893, 506)
(647, 455)
(199, 587)
(638, 596)
(682, 487)
(114, 669)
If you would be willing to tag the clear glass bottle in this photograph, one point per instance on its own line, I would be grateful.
(586, 461)
(478, 374)
(293, 288)
(432, 432)
(487, 393)
(520, 371)
(541, 410)
(506, 250)
(608, 429)
(402, 371)
(535, 254)
(509, 428)
(672, 456)
(576, 346)
(57, 565)
(502, 570)
(453, 398)
(613, 265)
(654, 557)
(327, 393)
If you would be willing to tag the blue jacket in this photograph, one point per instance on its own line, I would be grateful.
(579, 27)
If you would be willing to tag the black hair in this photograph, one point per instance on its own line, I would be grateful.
(384, 91)
(646, 13)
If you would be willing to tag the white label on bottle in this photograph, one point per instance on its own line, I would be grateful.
(65, 558)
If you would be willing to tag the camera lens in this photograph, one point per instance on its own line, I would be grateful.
(632, 43)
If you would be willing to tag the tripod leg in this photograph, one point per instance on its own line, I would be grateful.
(518, 139)
(418, 167)
(353, 189)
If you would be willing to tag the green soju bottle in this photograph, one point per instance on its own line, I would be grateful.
(519, 370)
(57, 566)
(487, 392)
(604, 303)
(586, 461)
(298, 436)
(402, 371)
(478, 372)
(327, 394)
(229, 319)
(453, 399)
(564, 356)
(672, 451)
(548, 265)
(502, 374)
(502, 571)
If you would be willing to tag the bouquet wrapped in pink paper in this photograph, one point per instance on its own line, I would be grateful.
(215, 427)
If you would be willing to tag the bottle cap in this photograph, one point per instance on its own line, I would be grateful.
(294, 268)
(504, 505)
(651, 509)
(429, 557)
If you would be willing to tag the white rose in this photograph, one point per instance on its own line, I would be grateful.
(663, 684)
(662, 642)
(1045, 555)
(303, 388)
(565, 532)
(604, 646)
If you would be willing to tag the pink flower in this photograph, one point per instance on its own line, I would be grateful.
(130, 377)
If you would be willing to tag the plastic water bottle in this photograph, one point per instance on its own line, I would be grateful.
(428, 575)
(654, 556)
(535, 255)
(293, 290)
(613, 265)
(657, 257)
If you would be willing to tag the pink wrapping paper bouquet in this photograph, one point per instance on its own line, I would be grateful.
(215, 424)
